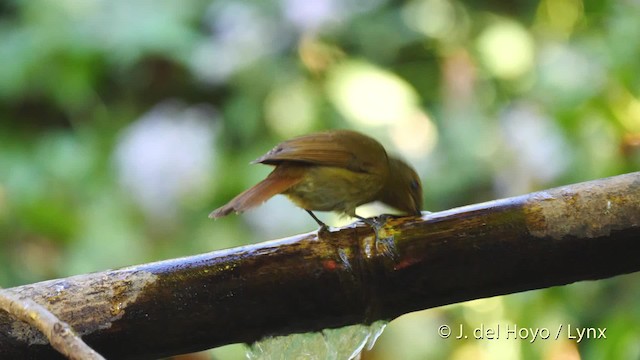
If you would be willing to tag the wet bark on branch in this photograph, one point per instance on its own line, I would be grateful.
(313, 281)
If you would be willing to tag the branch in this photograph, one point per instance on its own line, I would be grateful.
(308, 282)
(58, 333)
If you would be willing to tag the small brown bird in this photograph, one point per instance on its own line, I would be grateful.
(336, 170)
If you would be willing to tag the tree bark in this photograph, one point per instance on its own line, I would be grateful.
(344, 276)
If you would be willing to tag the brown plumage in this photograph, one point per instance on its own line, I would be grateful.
(336, 170)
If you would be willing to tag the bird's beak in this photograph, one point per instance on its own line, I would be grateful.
(416, 207)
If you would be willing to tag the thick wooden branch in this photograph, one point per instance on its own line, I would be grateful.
(313, 281)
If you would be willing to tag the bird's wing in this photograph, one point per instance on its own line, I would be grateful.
(339, 148)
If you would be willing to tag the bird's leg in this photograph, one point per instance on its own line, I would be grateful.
(323, 226)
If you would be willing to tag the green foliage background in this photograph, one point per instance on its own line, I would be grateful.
(123, 123)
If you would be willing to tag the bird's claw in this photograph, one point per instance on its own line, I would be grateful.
(377, 223)
(323, 228)
(383, 218)
(384, 241)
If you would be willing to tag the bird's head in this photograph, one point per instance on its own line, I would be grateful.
(403, 189)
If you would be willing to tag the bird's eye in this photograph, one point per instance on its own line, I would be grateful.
(414, 185)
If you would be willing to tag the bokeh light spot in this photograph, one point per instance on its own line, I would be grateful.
(369, 95)
(506, 49)
(291, 109)
(433, 18)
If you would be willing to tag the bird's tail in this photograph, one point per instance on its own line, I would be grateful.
(278, 181)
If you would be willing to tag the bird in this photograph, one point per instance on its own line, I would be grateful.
(334, 170)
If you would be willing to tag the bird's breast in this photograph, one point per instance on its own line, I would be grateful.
(325, 188)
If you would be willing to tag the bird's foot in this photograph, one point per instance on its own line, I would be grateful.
(384, 242)
(377, 223)
(322, 230)
(373, 222)
(382, 218)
